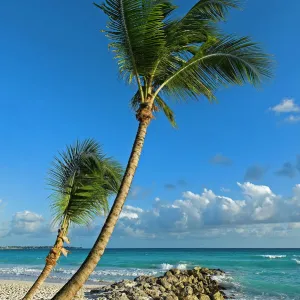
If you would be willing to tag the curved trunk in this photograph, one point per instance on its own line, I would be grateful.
(43, 276)
(51, 261)
(70, 289)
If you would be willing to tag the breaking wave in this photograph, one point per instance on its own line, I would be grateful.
(297, 261)
(166, 266)
(273, 256)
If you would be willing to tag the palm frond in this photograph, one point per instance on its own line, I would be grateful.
(135, 29)
(166, 109)
(197, 25)
(218, 62)
(210, 10)
(82, 179)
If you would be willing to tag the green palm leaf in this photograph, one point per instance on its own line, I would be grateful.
(135, 29)
(180, 58)
(217, 62)
(82, 179)
(210, 10)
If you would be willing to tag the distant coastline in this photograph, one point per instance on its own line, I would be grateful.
(32, 247)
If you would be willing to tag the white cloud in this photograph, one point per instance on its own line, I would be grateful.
(26, 222)
(286, 106)
(130, 212)
(258, 212)
(292, 119)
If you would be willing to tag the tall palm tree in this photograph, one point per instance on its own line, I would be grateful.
(168, 57)
(82, 179)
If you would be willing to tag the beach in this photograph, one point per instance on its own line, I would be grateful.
(16, 289)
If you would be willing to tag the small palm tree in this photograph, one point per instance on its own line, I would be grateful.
(168, 57)
(82, 179)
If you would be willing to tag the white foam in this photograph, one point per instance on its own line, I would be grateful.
(166, 267)
(124, 272)
(273, 256)
(20, 271)
(61, 273)
(297, 261)
(181, 266)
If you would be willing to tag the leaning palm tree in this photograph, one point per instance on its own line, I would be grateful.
(168, 58)
(82, 179)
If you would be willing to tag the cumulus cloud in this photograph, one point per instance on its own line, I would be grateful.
(26, 222)
(130, 212)
(287, 170)
(220, 159)
(259, 211)
(286, 106)
(254, 173)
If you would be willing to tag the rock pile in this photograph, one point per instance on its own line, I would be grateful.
(196, 284)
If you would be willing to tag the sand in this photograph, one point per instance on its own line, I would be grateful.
(15, 290)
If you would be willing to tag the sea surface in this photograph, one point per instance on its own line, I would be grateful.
(251, 273)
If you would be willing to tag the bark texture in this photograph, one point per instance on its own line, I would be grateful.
(51, 261)
(69, 290)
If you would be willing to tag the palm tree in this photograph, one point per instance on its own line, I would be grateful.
(82, 179)
(168, 57)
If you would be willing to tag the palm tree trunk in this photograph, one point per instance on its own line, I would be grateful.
(51, 261)
(43, 276)
(70, 289)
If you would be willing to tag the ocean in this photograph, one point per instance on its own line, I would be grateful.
(263, 274)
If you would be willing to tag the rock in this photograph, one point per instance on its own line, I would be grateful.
(204, 297)
(186, 291)
(170, 297)
(190, 297)
(164, 282)
(175, 271)
(194, 284)
(218, 296)
(154, 293)
(124, 297)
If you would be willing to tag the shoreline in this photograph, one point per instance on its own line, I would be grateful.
(16, 289)
(175, 284)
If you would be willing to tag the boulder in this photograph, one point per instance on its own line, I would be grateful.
(204, 297)
(218, 296)
(175, 284)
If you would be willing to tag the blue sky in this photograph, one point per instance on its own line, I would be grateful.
(59, 83)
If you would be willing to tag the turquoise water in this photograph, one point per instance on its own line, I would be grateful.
(251, 273)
